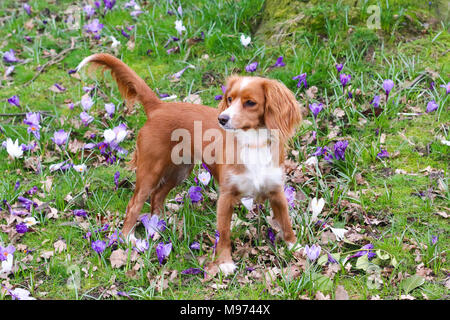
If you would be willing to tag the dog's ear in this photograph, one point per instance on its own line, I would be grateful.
(282, 110)
(230, 82)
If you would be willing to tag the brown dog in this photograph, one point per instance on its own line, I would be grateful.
(242, 143)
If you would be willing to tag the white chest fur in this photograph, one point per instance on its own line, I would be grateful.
(262, 173)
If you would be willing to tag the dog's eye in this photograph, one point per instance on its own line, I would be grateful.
(230, 99)
(249, 103)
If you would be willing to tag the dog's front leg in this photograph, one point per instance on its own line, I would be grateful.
(280, 208)
(225, 206)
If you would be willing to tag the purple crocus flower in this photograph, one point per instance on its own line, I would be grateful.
(367, 249)
(142, 245)
(17, 185)
(388, 84)
(4, 252)
(331, 259)
(279, 62)
(339, 67)
(109, 4)
(375, 101)
(447, 87)
(27, 8)
(163, 251)
(345, 79)
(195, 194)
(89, 11)
(153, 225)
(432, 106)
(271, 236)
(116, 179)
(86, 103)
(220, 96)
(178, 74)
(98, 246)
(10, 57)
(80, 212)
(251, 67)
(126, 35)
(32, 191)
(217, 235)
(32, 118)
(192, 271)
(34, 129)
(339, 149)
(110, 108)
(14, 101)
(316, 108)
(290, 195)
(94, 27)
(383, 154)
(113, 238)
(60, 137)
(86, 118)
(301, 80)
(27, 203)
(312, 252)
(195, 245)
(21, 228)
(434, 240)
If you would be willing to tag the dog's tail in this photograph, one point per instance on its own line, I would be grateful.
(132, 87)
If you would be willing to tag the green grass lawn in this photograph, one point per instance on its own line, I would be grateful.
(399, 204)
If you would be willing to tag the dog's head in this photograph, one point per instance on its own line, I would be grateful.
(254, 102)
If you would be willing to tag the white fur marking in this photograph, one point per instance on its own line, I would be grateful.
(245, 83)
(84, 62)
(261, 175)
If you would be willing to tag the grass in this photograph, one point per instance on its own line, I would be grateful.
(391, 203)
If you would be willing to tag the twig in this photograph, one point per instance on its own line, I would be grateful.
(22, 114)
(56, 59)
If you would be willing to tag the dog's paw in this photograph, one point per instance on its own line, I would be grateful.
(227, 268)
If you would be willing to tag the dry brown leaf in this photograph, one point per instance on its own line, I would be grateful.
(320, 296)
(60, 246)
(341, 293)
(118, 258)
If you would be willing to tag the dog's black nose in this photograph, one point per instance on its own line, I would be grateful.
(223, 119)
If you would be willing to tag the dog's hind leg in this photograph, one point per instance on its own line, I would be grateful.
(170, 180)
(147, 180)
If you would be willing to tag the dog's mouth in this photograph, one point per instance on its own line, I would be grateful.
(227, 127)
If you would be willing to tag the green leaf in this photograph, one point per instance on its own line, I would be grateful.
(394, 262)
(411, 283)
(382, 256)
(322, 282)
(362, 263)
(322, 260)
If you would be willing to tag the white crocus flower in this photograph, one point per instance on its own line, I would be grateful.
(245, 41)
(316, 207)
(80, 168)
(109, 135)
(339, 233)
(248, 203)
(115, 43)
(179, 26)
(7, 265)
(13, 148)
(204, 177)
(30, 221)
(311, 161)
(22, 294)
